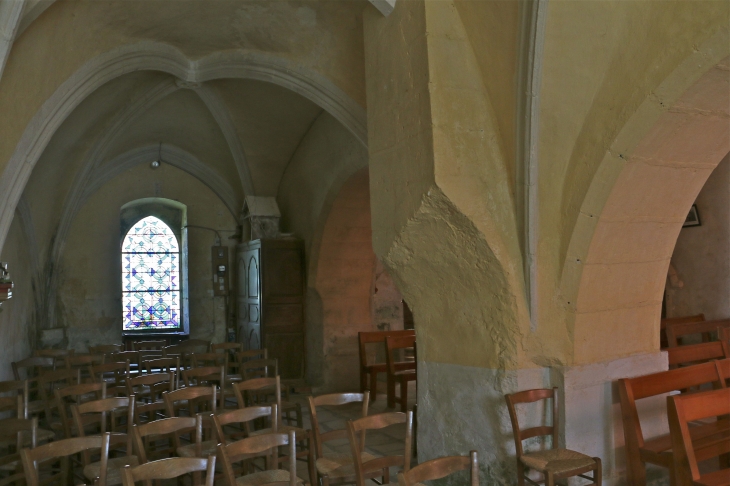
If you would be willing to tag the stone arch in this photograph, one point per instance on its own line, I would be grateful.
(614, 273)
(155, 56)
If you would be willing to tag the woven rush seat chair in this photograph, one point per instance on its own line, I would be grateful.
(553, 463)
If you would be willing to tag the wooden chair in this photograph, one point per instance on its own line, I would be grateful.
(204, 376)
(170, 468)
(133, 357)
(58, 355)
(371, 370)
(260, 446)
(697, 353)
(440, 468)
(335, 468)
(259, 386)
(114, 374)
(243, 417)
(199, 400)
(230, 350)
(76, 394)
(31, 369)
(553, 463)
(205, 360)
(184, 349)
(378, 466)
(148, 389)
(106, 348)
(399, 376)
(269, 368)
(102, 415)
(677, 331)
(84, 362)
(47, 385)
(684, 409)
(44, 456)
(657, 450)
(19, 432)
(15, 389)
(147, 437)
(674, 320)
(163, 365)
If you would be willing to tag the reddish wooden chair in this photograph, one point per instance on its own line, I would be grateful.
(553, 463)
(675, 320)
(371, 370)
(697, 353)
(398, 375)
(684, 409)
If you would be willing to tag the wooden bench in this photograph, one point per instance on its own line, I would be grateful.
(697, 353)
(657, 450)
(674, 320)
(677, 330)
(372, 369)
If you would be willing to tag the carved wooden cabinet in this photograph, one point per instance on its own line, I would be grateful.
(271, 301)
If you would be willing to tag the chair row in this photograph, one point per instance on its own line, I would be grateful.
(399, 372)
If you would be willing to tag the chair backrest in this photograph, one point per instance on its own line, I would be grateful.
(688, 408)
(334, 400)
(132, 356)
(373, 337)
(169, 429)
(393, 343)
(640, 387)
(13, 390)
(441, 467)
(151, 385)
(58, 355)
(356, 430)
(204, 376)
(115, 373)
(105, 348)
(169, 365)
(50, 380)
(249, 354)
(170, 468)
(30, 368)
(259, 368)
(84, 362)
(149, 345)
(198, 398)
(531, 396)
(18, 429)
(264, 445)
(675, 331)
(270, 385)
(697, 353)
(222, 347)
(243, 416)
(204, 360)
(103, 414)
(78, 394)
(63, 449)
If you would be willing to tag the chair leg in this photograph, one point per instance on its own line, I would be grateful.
(549, 480)
(598, 472)
(635, 470)
(373, 385)
(310, 461)
(391, 391)
(403, 396)
(520, 473)
(363, 380)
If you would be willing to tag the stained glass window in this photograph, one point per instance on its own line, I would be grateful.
(150, 277)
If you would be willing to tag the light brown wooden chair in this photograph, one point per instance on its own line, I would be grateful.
(378, 466)
(108, 415)
(170, 468)
(148, 389)
(105, 348)
(440, 468)
(554, 463)
(161, 438)
(19, 432)
(335, 468)
(184, 349)
(46, 455)
(243, 417)
(31, 369)
(684, 409)
(114, 374)
(149, 349)
(76, 394)
(58, 355)
(269, 368)
(261, 386)
(135, 361)
(399, 376)
(204, 376)
(371, 369)
(84, 362)
(48, 382)
(164, 365)
(260, 446)
(197, 400)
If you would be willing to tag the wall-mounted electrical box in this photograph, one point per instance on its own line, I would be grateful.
(221, 270)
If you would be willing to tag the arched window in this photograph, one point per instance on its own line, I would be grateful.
(150, 277)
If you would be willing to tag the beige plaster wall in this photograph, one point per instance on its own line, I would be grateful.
(17, 320)
(702, 254)
(89, 298)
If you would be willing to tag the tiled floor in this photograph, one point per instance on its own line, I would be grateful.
(390, 440)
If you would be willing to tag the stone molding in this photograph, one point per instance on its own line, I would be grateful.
(160, 57)
(10, 12)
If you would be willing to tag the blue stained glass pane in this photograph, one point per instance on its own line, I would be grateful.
(150, 276)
